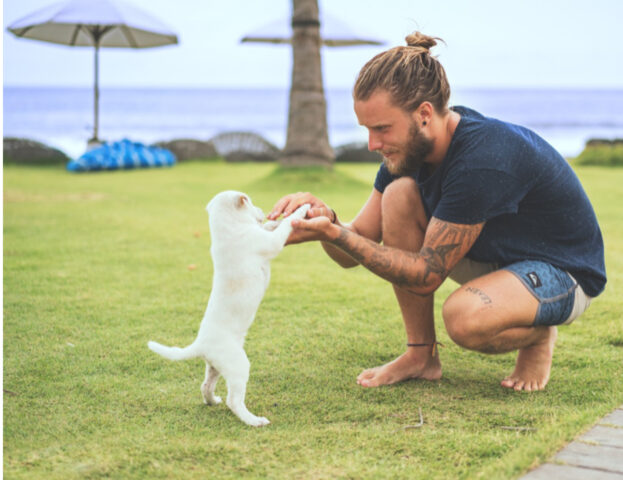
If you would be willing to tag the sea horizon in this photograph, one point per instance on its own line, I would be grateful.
(62, 116)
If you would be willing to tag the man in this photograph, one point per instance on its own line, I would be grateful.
(489, 204)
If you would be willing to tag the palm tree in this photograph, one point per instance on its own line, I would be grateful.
(307, 141)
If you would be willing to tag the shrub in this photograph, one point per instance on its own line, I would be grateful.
(23, 151)
(356, 152)
(604, 153)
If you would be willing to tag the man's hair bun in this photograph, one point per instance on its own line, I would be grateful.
(409, 73)
(417, 39)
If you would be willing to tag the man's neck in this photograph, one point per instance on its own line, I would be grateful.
(446, 130)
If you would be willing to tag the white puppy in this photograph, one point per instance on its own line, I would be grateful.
(242, 248)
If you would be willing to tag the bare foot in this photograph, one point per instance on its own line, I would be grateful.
(533, 365)
(411, 364)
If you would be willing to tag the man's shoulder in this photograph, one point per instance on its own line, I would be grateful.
(489, 143)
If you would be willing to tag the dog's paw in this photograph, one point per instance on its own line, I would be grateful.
(300, 212)
(208, 397)
(212, 401)
(259, 422)
(271, 225)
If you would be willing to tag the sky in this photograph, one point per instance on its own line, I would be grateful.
(488, 43)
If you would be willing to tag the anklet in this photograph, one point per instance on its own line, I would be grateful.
(434, 344)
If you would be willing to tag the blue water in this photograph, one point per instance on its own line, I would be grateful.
(63, 117)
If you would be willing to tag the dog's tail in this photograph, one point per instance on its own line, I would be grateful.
(174, 353)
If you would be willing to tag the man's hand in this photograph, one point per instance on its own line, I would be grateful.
(288, 204)
(317, 227)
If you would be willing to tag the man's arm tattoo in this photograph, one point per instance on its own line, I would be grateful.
(397, 266)
(440, 232)
(410, 269)
(436, 258)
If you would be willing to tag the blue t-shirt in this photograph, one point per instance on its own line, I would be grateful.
(531, 200)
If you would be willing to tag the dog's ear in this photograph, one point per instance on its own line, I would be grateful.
(242, 199)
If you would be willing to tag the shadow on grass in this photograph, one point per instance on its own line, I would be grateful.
(306, 178)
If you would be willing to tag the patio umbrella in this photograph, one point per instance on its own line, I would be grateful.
(94, 23)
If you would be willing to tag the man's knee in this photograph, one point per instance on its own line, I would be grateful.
(402, 210)
(403, 193)
(461, 318)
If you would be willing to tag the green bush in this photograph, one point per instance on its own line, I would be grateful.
(24, 151)
(604, 154)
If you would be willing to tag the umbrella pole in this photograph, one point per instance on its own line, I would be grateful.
(96, 94)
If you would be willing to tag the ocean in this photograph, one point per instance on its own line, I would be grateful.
(63, 117)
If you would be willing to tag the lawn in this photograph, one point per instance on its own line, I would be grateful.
(95, 265)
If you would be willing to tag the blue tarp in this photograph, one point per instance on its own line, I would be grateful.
(122, 155)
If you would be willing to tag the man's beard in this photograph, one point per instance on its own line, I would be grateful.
(417, 149)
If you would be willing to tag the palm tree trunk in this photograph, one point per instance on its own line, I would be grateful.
(307, 141)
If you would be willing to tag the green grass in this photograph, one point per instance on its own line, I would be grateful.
(97, 264)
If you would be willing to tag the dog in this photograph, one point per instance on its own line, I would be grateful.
(242, 247)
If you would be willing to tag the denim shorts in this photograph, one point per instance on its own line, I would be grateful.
(561, 299)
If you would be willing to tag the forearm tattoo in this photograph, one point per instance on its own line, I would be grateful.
(444, 245)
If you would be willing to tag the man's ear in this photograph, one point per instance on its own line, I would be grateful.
(423, 113)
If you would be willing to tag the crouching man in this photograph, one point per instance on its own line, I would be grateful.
(488, 203)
